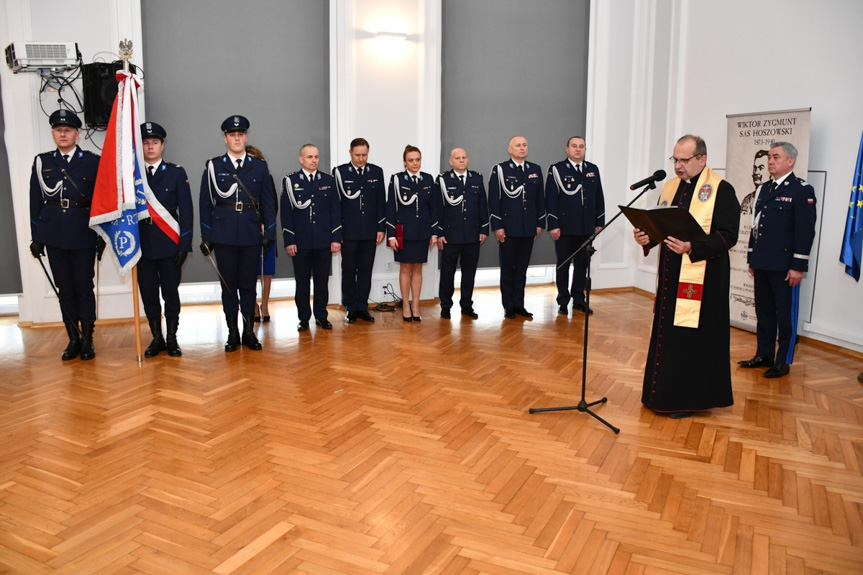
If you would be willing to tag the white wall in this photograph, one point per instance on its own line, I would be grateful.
(734, 56)
(658, 69)
(778, 55)
(382, 88)
(97, 26)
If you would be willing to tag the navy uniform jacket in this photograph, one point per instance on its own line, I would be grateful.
(416, 207)
(464, 209)
(170, 184)
(573, 200)
(363, 201)
(311, 212)
(51, 223)
(222, 221)
(783, 236)
(518, 210)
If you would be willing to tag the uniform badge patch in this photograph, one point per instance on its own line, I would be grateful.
(705, 192)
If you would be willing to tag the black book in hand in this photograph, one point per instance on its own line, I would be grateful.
(659, 222)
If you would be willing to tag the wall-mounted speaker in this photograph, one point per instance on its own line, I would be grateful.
(100, 90)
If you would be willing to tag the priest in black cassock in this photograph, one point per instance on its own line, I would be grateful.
(688, 364)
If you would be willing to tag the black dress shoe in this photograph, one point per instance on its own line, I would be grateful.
(417, 318)
(303, 325)
(757, 361)
(324, 323)
(408, 318)
(468, 311)
(778, 370)
(365, 316)
(680, 414)
(562, 310)
(582, 308)
(445, 314)
(509, 314)
(351, 317)
(523, 313)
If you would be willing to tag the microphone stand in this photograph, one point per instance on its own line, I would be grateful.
(583, 406)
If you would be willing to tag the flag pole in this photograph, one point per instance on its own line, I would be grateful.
(125, 55)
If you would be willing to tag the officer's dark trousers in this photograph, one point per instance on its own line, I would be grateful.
(449, 259)
(238, 266)
(514, 259)
(154, 275)
(563, 248)
(358, 259)
(73, 272)
(308, 265)
(776, 305)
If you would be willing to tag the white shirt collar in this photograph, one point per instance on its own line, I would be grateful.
(234, 160)
(782, 179)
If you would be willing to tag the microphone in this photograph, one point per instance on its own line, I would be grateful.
(657, 176)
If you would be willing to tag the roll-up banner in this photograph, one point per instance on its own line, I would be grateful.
(749, 139)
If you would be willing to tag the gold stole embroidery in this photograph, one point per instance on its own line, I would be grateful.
(691, 280)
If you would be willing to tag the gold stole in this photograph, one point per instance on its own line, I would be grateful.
(690, 284)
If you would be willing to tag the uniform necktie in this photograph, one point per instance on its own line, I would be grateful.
(415, 179)
(360, 171)
(150, 171)
(521, 169)
(239, 163)
(461, 177)
(578, 168)
(66, 157)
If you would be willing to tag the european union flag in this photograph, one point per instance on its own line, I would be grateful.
(852, 240)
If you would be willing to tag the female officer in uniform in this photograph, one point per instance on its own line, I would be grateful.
(411, 221)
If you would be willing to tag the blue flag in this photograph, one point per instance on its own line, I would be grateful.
(852, 239)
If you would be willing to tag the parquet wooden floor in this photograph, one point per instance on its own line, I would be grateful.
(408, 448)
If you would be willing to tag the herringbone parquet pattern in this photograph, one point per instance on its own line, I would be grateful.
(408, 448)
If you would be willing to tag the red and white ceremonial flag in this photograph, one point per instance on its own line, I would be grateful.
(122, 197)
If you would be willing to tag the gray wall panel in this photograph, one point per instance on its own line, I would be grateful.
(513, 67)
(265, 59)
(10, 279)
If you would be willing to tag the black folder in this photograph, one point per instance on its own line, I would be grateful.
(659, 222)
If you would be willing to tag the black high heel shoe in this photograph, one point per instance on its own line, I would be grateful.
(257, 316)
(415, 317)
(407, 318)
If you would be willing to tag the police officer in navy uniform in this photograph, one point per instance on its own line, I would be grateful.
(363, 203)
(238, 217)
(516, 203)
(61, 190)
(462, 227)
(576, 210)
(312, 226)
(161, 263)
(783, 228)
